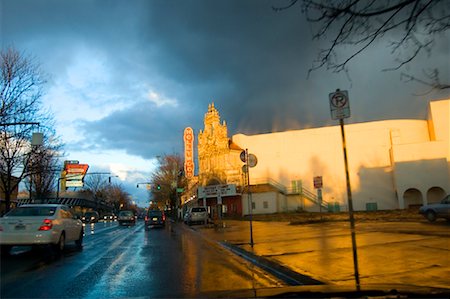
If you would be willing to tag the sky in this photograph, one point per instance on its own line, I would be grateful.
(126, 77)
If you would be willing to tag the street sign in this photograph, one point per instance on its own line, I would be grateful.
(318, 182)
(339, 104)
(252, 161)
(242, 156)
(244, 168)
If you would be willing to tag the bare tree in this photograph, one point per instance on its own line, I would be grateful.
(412, 26)
(168, 177)
(102, 190)
(21, 85)
(96, 184)
(118, 197)
(43, 169)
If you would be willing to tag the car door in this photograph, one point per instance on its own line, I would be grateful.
(443, 209)
(71, 225)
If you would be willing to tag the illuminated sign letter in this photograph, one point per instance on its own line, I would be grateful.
(188, 152)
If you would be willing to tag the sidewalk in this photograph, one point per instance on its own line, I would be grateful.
(409, 253)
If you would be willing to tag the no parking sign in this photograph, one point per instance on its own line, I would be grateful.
(339, 104)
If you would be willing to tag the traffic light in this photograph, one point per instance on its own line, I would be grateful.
(158, 187)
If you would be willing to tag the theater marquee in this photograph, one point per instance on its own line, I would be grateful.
(188, 152)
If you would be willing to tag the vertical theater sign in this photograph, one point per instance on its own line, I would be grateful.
(188, 152)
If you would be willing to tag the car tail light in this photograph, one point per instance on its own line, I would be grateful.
(146, 218)
(46, 225)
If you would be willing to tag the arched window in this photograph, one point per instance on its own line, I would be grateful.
(435, 195)
(412, 198)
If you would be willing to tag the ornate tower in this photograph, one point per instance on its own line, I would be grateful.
(213, 149)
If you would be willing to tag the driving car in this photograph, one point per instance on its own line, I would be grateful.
(437, 210)
(126, 217)
(40, 224)
(109, 217)
(154, 218)
(196, 215)
(90, 217)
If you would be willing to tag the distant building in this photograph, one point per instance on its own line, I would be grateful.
(13, 201)
(393, 164)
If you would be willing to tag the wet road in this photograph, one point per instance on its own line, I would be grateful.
(116, 261)
(407, 253)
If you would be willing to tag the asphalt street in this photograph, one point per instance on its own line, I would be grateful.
(413, 253)
(118, 262)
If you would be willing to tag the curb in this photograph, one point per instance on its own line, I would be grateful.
(287, 275)
(283, 273)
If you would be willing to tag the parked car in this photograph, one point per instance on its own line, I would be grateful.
(196, 215)
(154, 218)
(126, 217)
(437, 210)
(40, 224)
(90, 217)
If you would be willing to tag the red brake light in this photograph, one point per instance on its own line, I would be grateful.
(46, 225)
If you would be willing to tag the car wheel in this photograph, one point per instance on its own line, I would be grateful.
(59, 247)
(431, 216)
(79, 242)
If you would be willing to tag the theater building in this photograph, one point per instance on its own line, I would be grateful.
(393, 164)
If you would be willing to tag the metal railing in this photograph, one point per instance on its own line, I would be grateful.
(302, 191)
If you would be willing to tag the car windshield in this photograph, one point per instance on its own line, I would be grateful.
(240, 144)
(32, 211)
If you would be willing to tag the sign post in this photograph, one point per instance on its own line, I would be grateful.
(318, 185)
(340, 109)
(250, 160)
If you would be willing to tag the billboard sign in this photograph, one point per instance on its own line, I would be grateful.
(74, 183)
(188, 152)
(73, 174)
(76, 168)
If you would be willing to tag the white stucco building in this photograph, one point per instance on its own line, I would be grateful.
(393, 164)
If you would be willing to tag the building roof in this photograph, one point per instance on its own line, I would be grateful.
(234, 146)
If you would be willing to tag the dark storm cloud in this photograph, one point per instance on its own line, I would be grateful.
(143, 130)
(240, 47)
(251, 61)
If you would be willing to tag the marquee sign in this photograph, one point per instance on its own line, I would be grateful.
(188, 152)
(216, 190)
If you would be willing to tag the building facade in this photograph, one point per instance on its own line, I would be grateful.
(393, 164)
